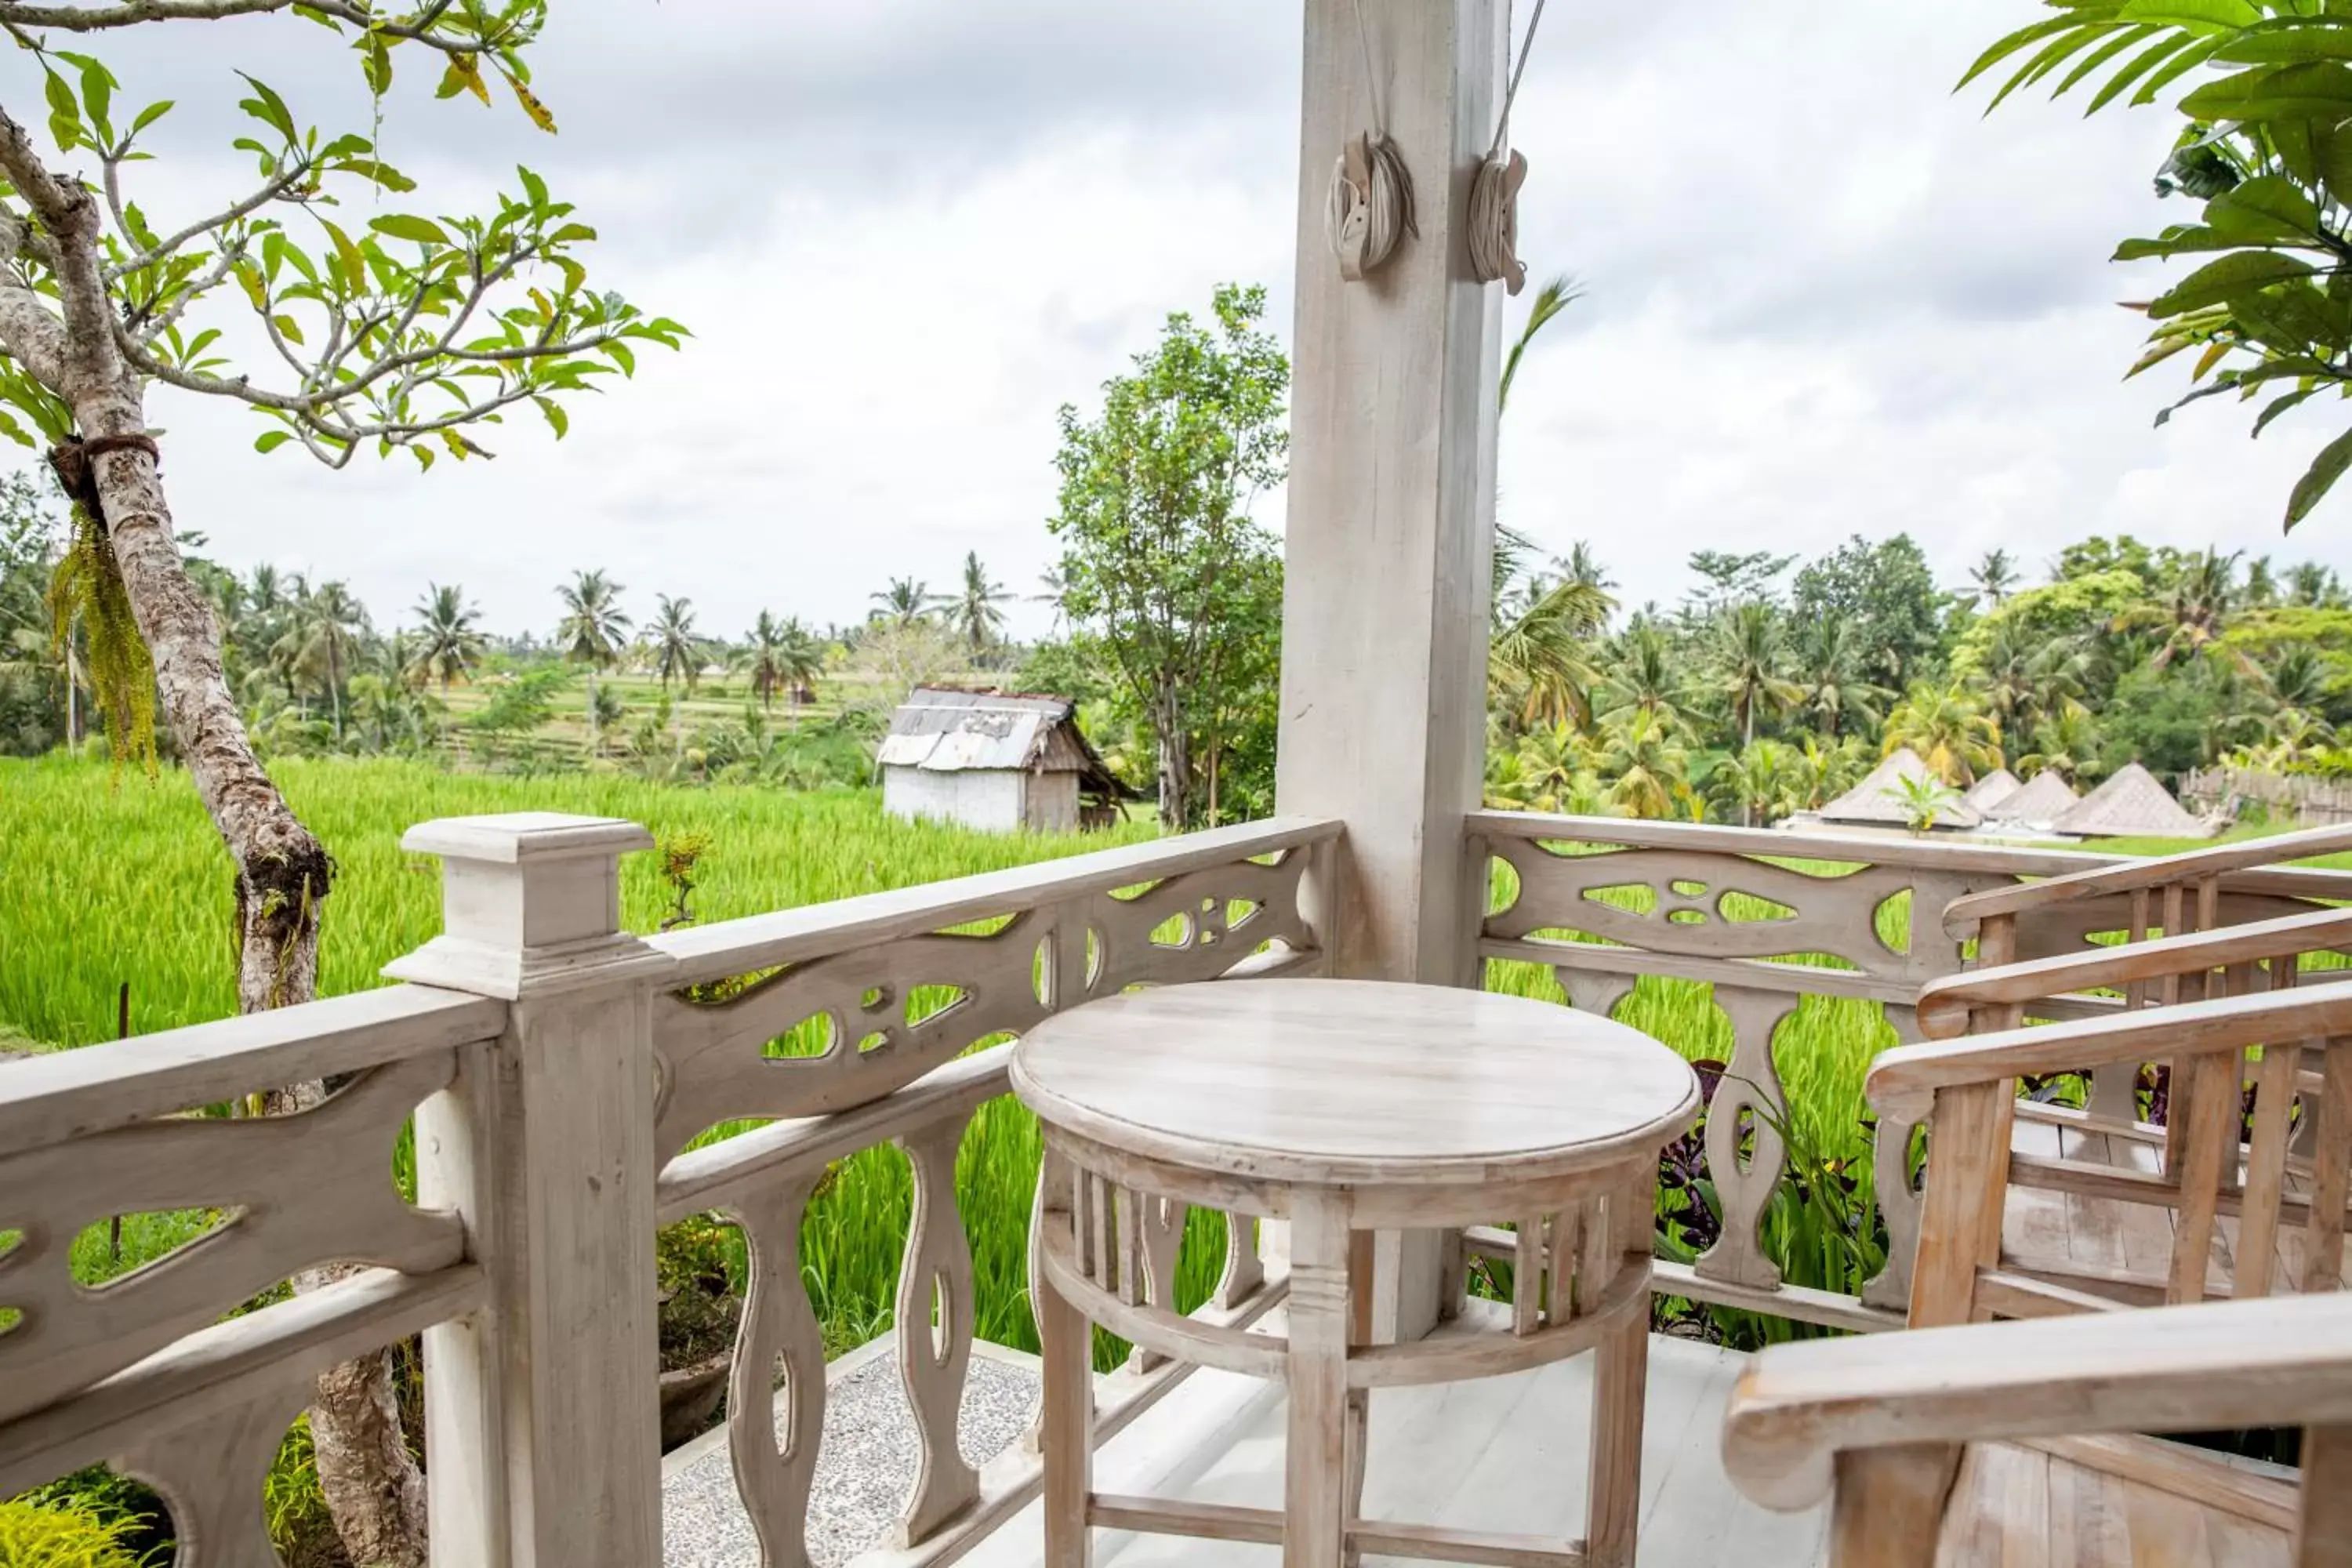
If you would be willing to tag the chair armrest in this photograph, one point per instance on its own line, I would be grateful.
(2276, 1361)
(1945, 1004)
(1903, 1082)
(1962, 915)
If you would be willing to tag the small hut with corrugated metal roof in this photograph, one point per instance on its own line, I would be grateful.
(2132, 804)
(996, 761)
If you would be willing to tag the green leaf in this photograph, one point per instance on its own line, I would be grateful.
(149, 115)
(2287, 39)
(2187, 60)
(355, 277)
(2182, 239)
(623, 357)
(287, 328)
(270, 440)
(2010, 43)
(572, 233)
(407, 226)
(2047, 59)
(97, 94)
(2281, 403)
(269, 108)
(2201, 16)
(2315, 89)
(382, 174)
(2101, 56)
(2242, 273)
(532, 186)
(2138, 66)
(375, 64)
(2319, 478)
(65, 113)
(559, 421)
(2268, 207)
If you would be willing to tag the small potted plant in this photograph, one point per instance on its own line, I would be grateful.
(695, 1272)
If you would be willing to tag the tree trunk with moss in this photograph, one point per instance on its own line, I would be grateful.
(282, 873)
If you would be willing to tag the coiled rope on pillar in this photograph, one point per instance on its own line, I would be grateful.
(1369, 207)
(1494, 224)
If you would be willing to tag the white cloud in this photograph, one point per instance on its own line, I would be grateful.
(1826, 296)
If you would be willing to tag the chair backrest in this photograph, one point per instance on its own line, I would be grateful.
(2270, 1178)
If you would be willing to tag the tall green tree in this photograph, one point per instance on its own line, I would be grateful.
(2267, 150)
(1159, 551)
(678, 649)
(975, 609)
(1748, 653)
(1994, 576)
(592, 632)
(322, 645)
(1883, 592)
(904, 602)
(449, 642)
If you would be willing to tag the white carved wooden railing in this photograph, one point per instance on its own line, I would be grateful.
(1603, 901)
(1242, 902)
(144, 1372)
(556, 1068)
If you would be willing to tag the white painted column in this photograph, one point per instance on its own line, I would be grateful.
(541, 1415)
(1390, 533)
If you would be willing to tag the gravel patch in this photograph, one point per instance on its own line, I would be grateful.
(864, 1467)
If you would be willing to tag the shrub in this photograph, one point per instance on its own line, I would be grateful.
(62, 1535)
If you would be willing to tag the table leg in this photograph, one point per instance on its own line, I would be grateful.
(1359, 1400)
(1619, 1372)
(1315, 1491)
(1065, 1343)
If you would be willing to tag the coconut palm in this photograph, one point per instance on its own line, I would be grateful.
(448, 646)
(1834, 690)
(2024, 677)
(2194, 613)
(1642, 675)
(1549, 301)
(973, 609)
(1948, 727)
(2067, 741)
(1763, 780)
(762, 658)
(1582, 565)
(592, 632)
(2310, 586)
(906, 601)
(1995, 576)
(677, 649)
(322, 641)
(1643, 764)
(1749, 658)
(1540, 657)
(799, 659)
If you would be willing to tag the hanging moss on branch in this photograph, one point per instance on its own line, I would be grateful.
(88, 587)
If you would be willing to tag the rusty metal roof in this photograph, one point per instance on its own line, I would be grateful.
(942, 730)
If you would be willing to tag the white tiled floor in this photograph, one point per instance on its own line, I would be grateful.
(1505, 1454)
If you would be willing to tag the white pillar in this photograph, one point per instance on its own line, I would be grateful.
(1390, 534)
(541, 1415)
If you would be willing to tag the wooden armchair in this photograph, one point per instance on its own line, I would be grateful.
(1959, 1447)
(2096, 1198)
(1910, 1428)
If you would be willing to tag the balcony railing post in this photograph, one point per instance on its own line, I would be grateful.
(541, 1418)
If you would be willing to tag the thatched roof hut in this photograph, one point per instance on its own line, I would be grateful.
(2131, 805)
(1985, 795)
(1877, 800)
(2043, 800)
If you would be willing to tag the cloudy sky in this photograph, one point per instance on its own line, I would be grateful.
(1824, 297)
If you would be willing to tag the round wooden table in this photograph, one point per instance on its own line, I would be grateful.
(1346, 1107)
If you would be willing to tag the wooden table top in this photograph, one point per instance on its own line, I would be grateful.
(1356, 1081)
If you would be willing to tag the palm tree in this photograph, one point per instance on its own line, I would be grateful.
(1948, 727)
(973, 611)
(799, 659)
(2067, 741)
(1582, 565)
(2310, 586)
(1764, 781)
(1551, 300)
(2025, 678)
(322, 642)
(763, 658)
(592, 630)
(1751, 658)
(1833, 688)
(1541, 655)
(449, 644)
(1994, 576)
(1645, 766)
(2195, 612)
(678, 651)
(1642, 675)
(1055, 590)
(904, 602)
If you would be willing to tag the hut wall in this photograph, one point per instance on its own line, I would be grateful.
(991, 799)
(1053, 804)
